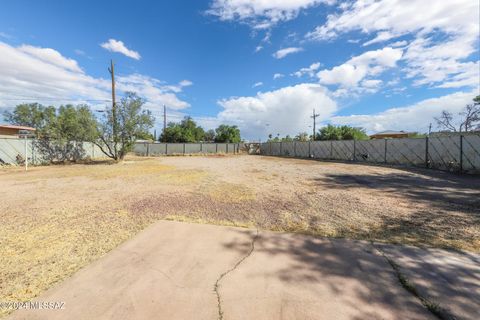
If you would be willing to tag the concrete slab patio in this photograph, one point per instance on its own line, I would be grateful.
(175, 270)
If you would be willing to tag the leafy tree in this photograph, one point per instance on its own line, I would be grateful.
(331, 132)
(468, 120)
(117, 136)
(302, 136)
(32, 115)
(287, 138)
(210, 135)
(226, 133)
(185, 131)
(61, 135)
(145, 136)
(271, 139)
(59, 132)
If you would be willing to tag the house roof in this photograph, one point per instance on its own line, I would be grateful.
(9, 126)
(387, 132)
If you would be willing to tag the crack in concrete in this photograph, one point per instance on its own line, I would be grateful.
(438, 311)
(239, 262)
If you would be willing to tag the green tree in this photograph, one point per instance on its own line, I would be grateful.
(131, 122)
(32, 115)
(226, 133)
(331, 132)
(287, 138)
(185, 131)
(145, 136)
(302, 136)
(59, 132)
(61, 136)
(210, 135)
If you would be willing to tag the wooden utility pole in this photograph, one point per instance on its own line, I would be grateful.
(314, 117)
(114, 108)
(164, 123)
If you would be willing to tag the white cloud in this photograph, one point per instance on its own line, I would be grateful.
(468, 76)
(370, 63)
(416, 117)
(373, 83)
(441, 64)
(51, 56)
(430, 60)
(118, 46)
(282, 53)
(392, 18)
(33, 74)
(185, 83)
(278, 76)
(346, 75)
(285, 111)
(261, 14)
(257, 84)
(258, 48)
(310, 71)
(153, 90)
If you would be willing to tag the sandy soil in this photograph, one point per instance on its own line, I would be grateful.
(57, 219)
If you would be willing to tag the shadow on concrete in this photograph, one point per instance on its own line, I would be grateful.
(355, 278)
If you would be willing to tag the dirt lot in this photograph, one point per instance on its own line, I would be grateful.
(55, 220)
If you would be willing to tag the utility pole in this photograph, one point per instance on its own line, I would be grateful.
(114, 108)
(314, 117)
(164, 123)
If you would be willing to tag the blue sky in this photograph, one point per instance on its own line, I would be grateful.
(262, 65)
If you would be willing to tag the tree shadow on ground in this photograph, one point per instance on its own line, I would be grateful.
(350, 275)
(444, 211)
(444, 191)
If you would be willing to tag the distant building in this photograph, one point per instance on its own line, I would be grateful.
(11, 130)
(390, 134)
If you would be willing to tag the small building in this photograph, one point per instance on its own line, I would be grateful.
(14, 131)
(390, 134)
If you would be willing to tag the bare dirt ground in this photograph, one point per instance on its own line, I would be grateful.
(57, 219)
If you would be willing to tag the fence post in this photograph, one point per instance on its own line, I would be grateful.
(354, 150)
(294, 149)
(93, 150)
(201, 147)
(148, 149)
(226, 148)
(385, 155)
(310, 149)
(461, 153)
(331, 149)
(216, 147)
(427, 160)
(271, 148)
(281, 151)
(166, 148)
(184, 149)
